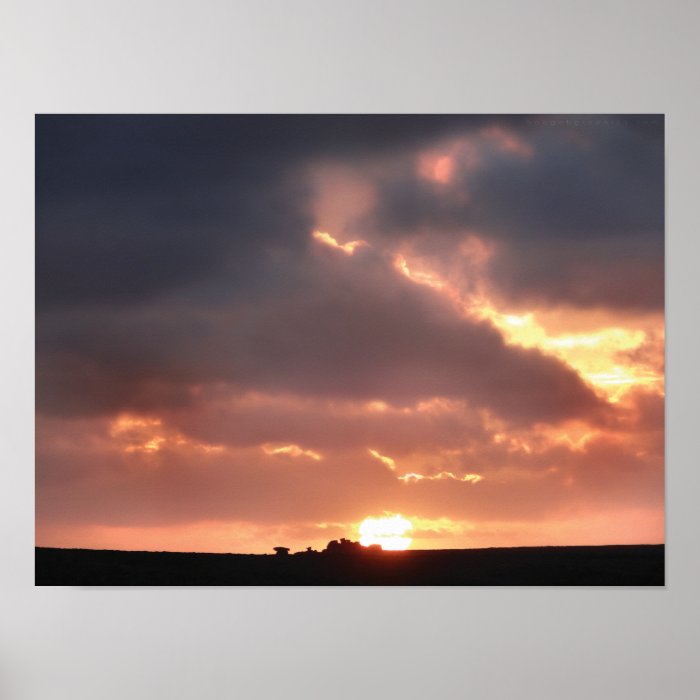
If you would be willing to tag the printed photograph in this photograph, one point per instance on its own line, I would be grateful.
(349, 350)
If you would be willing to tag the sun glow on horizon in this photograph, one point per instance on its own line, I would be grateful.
(389, 531)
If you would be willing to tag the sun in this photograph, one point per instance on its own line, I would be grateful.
(389, 531)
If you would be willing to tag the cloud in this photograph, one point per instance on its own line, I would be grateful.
(291, 450)
(83, 477)
(414, 477)
(347, 248)
(351, 329)
(129, 207)
(578, 213)
(387, 461)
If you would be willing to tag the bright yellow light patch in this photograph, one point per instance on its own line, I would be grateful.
(137, 434)
(414, 477)
(377, 406)
(388, 461)
(518, 321)
(347, 248)
(148, 435)
(153, 445)
(595, 355)
(126, 423)
(292, 450)
(389, 531)
(419, 277)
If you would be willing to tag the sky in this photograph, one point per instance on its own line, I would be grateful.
(261, 330)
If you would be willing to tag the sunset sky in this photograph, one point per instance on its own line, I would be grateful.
(262, 330)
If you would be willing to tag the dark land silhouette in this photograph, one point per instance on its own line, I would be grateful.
(345, 563)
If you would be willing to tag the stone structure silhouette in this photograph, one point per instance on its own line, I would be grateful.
(343, 546)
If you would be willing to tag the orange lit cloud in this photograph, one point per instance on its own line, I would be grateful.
(441, 164)
(595, 354)
(388, 461)
(149, 435)
(414, 477)
(439, 168)
(507, 141)
(292, 450)
(347, 248)
(419, 277)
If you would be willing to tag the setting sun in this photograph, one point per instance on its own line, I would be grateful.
(389, 532)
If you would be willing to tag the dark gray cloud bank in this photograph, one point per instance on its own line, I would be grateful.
(175, 251)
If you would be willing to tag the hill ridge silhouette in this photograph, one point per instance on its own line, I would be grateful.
(579, 565)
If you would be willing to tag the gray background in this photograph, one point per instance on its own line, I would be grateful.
(378, 56)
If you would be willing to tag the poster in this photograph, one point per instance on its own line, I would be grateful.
(350, 349)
